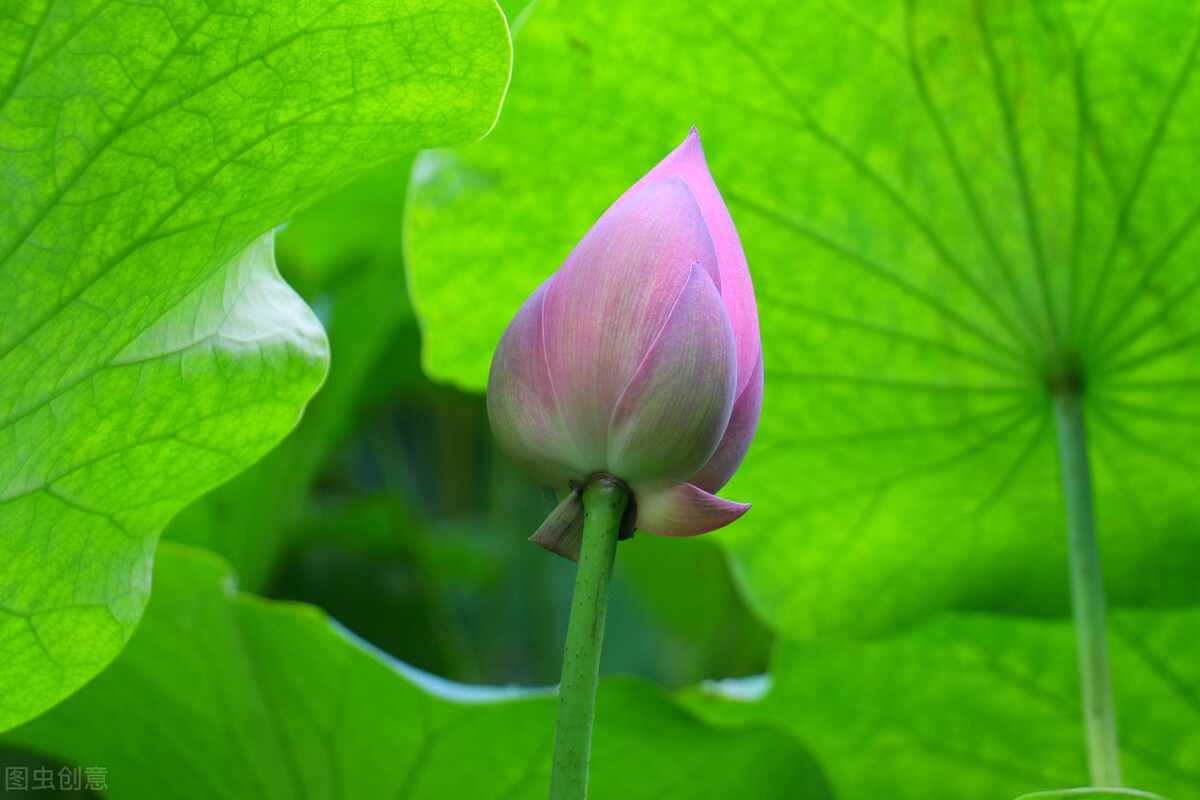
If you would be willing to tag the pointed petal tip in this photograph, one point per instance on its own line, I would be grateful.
(676, 185)
(675, 508)
(668, 191)
(691, 148)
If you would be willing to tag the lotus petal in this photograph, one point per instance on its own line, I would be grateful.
(743, 422)
(674, 508)
(688, 163)
(607, 305)
(675, 409)
(522, 406)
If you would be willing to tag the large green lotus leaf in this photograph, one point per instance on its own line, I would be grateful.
(209, 386)
(949, 209)
(971, 705)
(224, 695)
(343, 255)
(142, 360)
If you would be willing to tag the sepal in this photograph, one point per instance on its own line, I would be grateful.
(562, 532)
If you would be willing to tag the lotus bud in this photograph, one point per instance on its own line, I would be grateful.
(639, 358)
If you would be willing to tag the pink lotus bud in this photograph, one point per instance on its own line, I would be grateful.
(640, 357)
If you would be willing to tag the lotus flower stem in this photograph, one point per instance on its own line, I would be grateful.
(1087, 593)
(604, 502)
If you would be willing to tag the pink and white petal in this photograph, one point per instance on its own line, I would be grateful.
(675, 508)
(522, 405)
(743, 422)
(610, 300)
(675, 409)
(687, 162)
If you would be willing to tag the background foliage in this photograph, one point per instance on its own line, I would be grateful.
(142, 359)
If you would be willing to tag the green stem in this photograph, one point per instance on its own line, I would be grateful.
(1087, 593)
(604, 502)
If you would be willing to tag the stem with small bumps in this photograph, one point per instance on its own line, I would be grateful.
(604, 503)
(1087, 592)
